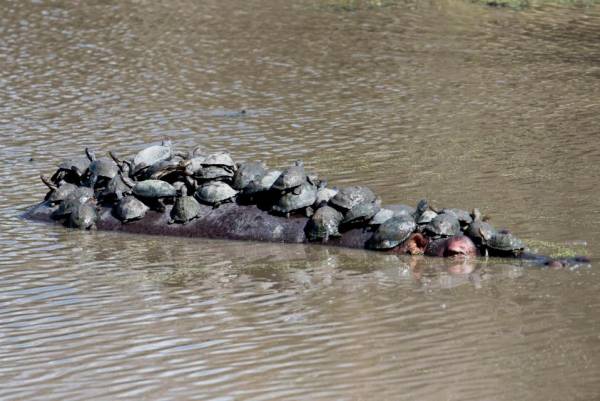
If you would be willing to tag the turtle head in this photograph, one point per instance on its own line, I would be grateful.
(90, 154)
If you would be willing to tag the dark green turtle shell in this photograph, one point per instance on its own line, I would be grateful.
(360, 213)
(154, 189)
(443, 225)
(290, 201)
(186, 208)
(505, 242)
(292, 177)
(324, 223)
(247, 173)
(392, 233)
(129, 208)
(348, 197)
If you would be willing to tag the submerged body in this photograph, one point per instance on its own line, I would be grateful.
(249, 223)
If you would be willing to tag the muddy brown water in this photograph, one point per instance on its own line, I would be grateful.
(463, 105)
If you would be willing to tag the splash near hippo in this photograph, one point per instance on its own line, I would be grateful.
(161, 191)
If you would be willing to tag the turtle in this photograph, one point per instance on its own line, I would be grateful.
(78, 197)
(360, 213)
(186, 208)
(291, 179)
(464, 217)
(58, 192)
(381, 217)
(154, 193)
(83, 217)
(504, 244)
(220, 159)
(71, 170)
(217, 173)
(262, 185)
(129, 208)
(349, 197)
(151, 155)
(167, 170)
(425, 217)
(479, 230)
(392, 233)
(292, 201)
(100, 170)
(324, 223)
(324, 194)
(247, 173)
(215, 193)
(154, 189)
(442, 225)
(118, 186)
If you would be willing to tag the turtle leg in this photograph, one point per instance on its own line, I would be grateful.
(309, 211)
(297, 191)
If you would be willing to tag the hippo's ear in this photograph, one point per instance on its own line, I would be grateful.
(416, 244)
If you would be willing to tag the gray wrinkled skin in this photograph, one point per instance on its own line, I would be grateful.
(323, 224)
(392, 233)
(154, 189)
(349, 197)
(129, 208)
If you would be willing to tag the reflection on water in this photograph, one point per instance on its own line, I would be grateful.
(464, 105)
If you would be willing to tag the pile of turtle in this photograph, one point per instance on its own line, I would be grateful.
(162, 179)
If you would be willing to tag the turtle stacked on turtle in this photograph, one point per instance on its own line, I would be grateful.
(160, 179)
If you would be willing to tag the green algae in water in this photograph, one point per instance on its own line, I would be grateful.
(524, 4)
(557, 249)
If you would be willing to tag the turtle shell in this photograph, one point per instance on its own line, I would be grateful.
(290, 178)
(464, 217)
(392, 233)
(61, 192)
(129, 208)
(325, 194)
(443, 225)
(186, 208)
(426, 217)
(480, 231)
(381, 217)
(103, 168)
(221, 159)
(348, 197)
(154, 189)
(324, 223)
(264, 184)
(505, 242)
(360, 213)
(215, 192)
(152, 155)
(72, 170)
(247, 173)
(214, 173)
(83, 217)
(290, 201)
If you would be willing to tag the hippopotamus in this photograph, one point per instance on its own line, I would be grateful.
(247, 222)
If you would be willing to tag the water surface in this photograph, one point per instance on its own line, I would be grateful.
(464, 105)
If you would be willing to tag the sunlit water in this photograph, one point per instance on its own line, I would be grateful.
(466, 106)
